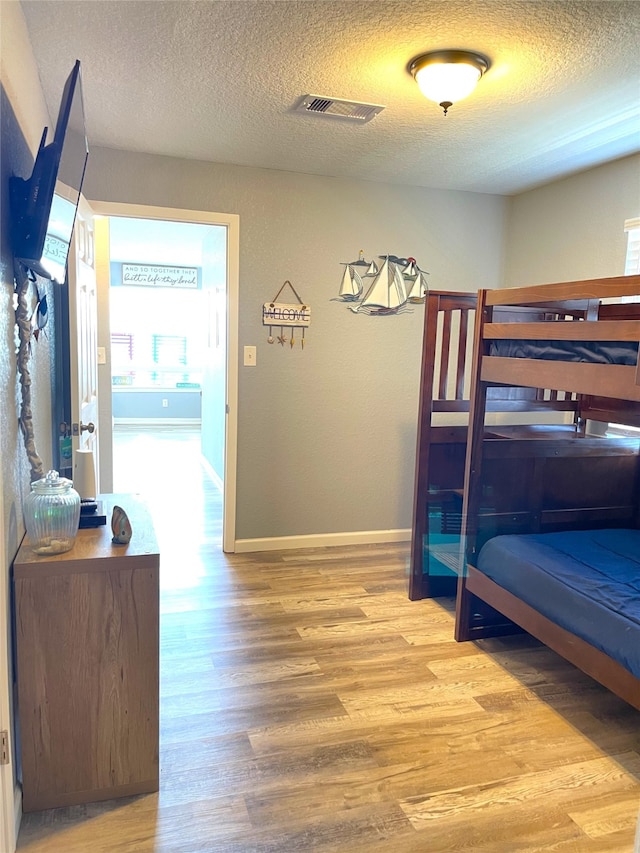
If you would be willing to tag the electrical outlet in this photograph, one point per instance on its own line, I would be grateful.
(165, 404)
(250, 356)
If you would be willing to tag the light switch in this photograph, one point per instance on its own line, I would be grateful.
(102, 355)
(249, 356)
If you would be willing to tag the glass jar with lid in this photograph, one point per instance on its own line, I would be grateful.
(52, 514)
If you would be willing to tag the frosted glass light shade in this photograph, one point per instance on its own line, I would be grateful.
(447, 76)
(442, 82)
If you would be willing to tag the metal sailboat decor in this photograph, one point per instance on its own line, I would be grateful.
(388, 288)
(353, 277)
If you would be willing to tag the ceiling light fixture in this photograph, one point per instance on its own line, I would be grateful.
(447, 76)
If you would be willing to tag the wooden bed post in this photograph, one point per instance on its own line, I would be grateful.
(421, 484)
(441, 446)
(472, 478)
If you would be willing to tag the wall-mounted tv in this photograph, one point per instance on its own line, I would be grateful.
(43, 207)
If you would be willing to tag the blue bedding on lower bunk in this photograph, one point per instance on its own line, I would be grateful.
(586, 581)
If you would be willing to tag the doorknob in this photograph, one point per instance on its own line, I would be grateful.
(90, 427)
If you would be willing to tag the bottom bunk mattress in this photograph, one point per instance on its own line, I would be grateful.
(586, 581)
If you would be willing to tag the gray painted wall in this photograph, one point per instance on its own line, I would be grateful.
(573, 229)
(326, 437)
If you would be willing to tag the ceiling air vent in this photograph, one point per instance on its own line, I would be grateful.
(336, 108)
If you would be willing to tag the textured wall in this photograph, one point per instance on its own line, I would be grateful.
(17, 160)
(326, 437)
(22, 118)
(574, 228)
(15, 481)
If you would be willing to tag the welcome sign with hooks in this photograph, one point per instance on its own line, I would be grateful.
(287, 316)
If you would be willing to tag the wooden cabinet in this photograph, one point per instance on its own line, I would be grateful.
(87, 642)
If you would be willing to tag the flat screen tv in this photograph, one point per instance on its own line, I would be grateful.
(43, 207)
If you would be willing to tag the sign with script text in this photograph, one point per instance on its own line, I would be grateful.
(157, 275)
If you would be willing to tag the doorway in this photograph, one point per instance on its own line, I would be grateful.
(174, 366)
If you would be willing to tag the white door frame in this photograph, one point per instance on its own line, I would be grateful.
(232, 223)
(83, 333)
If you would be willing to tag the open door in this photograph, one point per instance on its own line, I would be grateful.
(231, 222)
(83, 335)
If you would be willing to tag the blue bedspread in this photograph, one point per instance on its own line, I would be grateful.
(586, 581)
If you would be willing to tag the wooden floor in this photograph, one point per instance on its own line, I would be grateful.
(308, 705)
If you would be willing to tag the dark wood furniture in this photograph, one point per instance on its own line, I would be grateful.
(443, 413)
(441, 442)
(87, 634)
(538, 478)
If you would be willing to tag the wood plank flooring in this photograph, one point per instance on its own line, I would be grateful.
(307, 706)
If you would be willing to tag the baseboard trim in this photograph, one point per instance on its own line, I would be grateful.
(322, 540)
(215, 477)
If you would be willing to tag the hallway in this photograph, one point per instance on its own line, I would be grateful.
(164, 464)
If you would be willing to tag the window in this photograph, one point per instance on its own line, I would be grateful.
(159, 338)
(632, 227)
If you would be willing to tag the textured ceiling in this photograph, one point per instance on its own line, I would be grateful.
(219, 81)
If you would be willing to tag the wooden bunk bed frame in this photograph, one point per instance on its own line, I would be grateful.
(441, 447)
(550, 479)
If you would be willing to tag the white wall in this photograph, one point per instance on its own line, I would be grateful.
(326, 437)
(19, 74)
(573, 229)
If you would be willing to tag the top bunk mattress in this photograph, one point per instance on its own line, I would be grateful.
(586, 581)
(592, 352)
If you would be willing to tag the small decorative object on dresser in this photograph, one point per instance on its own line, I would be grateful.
(120, 527)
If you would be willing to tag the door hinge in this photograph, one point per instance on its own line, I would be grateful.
(4, 747)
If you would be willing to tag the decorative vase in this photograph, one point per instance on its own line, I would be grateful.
(52, 514)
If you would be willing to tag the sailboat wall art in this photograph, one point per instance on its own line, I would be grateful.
(391, 286)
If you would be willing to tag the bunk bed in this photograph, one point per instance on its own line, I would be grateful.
(443, 414)
(551, 514)
(441, 442)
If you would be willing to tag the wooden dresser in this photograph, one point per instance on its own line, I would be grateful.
(87, 643)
